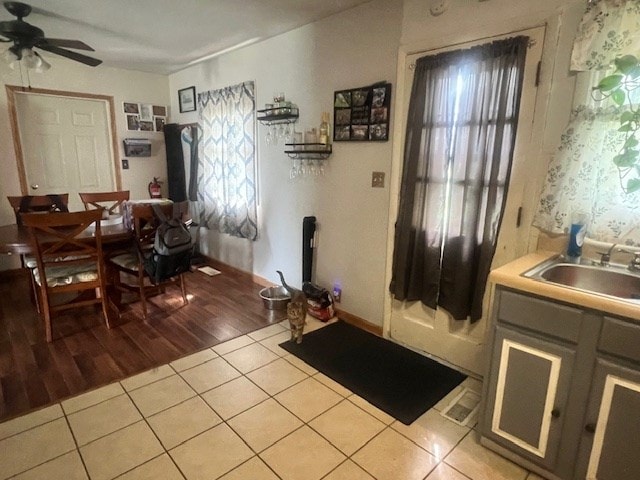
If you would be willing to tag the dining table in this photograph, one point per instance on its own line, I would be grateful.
(15, 239)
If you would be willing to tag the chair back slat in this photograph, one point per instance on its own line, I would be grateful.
(56, 234)
(146, 223)
(38, 203)
(97, 200)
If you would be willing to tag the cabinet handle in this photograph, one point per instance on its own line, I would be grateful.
(555, 413)
(590, 427)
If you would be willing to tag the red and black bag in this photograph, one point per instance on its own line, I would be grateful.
(319, 302)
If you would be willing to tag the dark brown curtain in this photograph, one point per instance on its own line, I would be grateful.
(461, 130)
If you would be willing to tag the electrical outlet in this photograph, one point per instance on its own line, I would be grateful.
(377, 179)
(125, 164)
(337, 292)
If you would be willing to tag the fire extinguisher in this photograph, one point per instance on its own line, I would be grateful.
(154, 188)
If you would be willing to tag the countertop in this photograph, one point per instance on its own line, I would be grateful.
(510, 275)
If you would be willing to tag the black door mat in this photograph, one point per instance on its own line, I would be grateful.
(398, 381)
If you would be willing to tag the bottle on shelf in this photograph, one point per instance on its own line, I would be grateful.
(323, 133)
(310, 137)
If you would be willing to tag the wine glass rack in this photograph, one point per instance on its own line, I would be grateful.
(311, 151)
(278, 115)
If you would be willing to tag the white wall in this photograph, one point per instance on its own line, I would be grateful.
(66, 75)
(348, 50)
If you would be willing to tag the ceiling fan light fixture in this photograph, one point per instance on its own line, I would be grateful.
(10, 57)
(43, 65)
(30, 58)
(26, 36)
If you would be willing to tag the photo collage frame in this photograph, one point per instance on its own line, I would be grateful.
(362, 114)
(145, 117)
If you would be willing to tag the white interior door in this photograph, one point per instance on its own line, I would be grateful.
(66, 145)
(434, 332)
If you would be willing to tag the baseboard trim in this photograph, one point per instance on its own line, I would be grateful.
(342, 314)
(218, 265)
(359, 322)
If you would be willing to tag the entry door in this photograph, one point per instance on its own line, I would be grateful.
(434, 332)
(66, 145)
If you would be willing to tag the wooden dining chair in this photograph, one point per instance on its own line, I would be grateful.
(145, 224)
(67, 261)
(55, 202)
(112, 202)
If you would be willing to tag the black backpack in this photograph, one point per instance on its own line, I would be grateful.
(172, 249)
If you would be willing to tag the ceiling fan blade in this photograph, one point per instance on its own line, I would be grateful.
(78, 57)
(64, 43)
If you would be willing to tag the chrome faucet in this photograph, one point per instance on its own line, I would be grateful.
(634, 265)
(605, 257)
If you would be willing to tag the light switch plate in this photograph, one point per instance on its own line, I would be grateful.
(377, 179)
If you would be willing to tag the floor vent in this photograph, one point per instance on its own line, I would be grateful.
(463, 409)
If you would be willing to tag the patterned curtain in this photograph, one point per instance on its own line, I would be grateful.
(609, 28)
(226, 169)
(582, 176)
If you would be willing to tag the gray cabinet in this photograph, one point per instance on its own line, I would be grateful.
(528, 387)
(562, 389)
(610, 443)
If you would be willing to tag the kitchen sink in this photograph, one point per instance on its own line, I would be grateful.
(614, 281)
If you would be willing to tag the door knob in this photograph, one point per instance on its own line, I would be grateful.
(35, 186)
(555, 413)
(590, 427)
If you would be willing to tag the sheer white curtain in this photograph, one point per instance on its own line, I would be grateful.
(582, 176)
(609, 28)
(226, 168)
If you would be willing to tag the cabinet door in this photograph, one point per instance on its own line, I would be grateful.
(528, 389)
(610, 445)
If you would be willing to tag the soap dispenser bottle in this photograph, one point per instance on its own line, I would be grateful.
(577, 232)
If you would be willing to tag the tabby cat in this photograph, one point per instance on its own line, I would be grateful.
(296, 309)
(296, 314)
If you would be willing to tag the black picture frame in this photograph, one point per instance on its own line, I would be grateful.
(187, 99)
(362, 114)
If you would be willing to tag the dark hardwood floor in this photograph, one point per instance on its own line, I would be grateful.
(85, 354)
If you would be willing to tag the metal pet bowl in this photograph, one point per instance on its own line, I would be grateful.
(275, 298)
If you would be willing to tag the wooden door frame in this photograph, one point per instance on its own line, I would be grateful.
(13, 90)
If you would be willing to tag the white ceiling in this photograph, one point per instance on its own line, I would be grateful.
(164, 36)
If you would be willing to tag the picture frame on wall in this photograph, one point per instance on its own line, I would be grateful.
(187, 99)
(159, 123)
(159, 111)
(362, 114)
(128, 107)
(145, 116)
(133, 122)
(146, 112)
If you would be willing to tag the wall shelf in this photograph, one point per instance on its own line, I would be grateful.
(278, 115)
(311, 151)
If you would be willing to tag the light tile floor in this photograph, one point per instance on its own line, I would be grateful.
(245, 409)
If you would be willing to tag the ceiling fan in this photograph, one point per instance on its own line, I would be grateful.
(25, 37)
